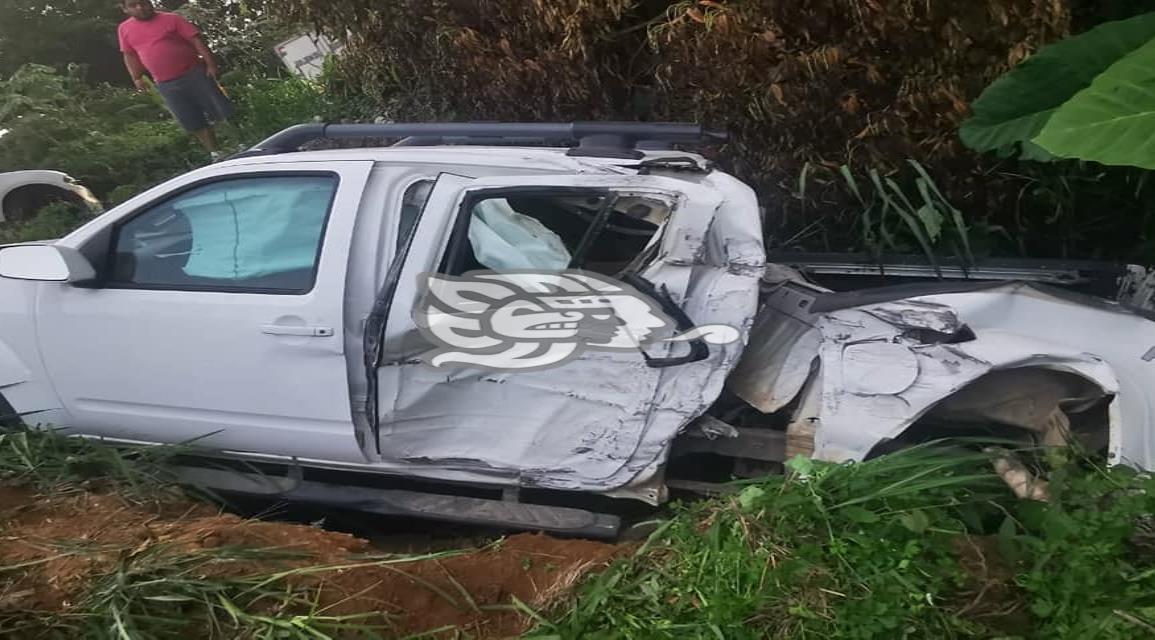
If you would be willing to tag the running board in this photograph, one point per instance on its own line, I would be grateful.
(415, 504)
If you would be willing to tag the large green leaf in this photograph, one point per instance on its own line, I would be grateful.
(1015, 108)
(1113, 120)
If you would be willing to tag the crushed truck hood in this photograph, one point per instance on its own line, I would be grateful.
(860, 368)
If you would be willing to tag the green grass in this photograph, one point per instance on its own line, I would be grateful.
(51, 461)
(919, 544)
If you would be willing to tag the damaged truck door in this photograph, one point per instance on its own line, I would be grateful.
(592, 421)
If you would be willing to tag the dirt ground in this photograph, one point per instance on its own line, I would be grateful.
(43, 569)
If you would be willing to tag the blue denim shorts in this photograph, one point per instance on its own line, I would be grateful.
(195, 99)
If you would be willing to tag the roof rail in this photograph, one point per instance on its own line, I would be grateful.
(598, 139)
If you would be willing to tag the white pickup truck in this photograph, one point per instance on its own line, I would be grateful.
(265, 309)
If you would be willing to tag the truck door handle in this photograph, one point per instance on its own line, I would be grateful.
(288, 330)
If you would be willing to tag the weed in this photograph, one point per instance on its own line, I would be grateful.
(928, 217)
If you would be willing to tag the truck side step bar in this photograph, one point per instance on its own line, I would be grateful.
(396, 502)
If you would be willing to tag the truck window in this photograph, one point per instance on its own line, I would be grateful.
(547, 232)
(241, 234)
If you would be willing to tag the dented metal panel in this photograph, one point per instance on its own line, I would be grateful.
(604, 421)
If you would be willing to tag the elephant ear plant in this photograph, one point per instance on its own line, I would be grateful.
(1088, 97)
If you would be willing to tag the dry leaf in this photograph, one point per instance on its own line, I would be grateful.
(776, 91)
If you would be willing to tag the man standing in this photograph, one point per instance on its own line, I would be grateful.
(170, 48)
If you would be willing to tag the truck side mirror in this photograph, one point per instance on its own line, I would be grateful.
(45, 263)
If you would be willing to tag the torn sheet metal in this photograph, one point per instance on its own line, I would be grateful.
(884, 365)
(782, 352)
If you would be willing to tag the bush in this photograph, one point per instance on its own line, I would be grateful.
(267, 105)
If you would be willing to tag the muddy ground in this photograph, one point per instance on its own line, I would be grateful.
(52, 547)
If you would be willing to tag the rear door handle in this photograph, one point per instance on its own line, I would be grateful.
(288, 330)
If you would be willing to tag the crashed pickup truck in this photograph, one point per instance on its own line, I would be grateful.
(488, 322)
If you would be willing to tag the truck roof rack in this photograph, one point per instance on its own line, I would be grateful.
(590, 139)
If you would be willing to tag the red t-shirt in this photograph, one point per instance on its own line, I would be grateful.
(163, 43)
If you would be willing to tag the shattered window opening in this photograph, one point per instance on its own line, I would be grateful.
(555, 231)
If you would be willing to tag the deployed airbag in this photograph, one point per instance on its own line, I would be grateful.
(503, 239)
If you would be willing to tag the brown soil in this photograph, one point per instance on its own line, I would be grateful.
(473, 590)
(990, 594)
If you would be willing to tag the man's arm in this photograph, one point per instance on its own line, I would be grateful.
(135, 69)
(189, 31)
(131, 60)
(203, 51)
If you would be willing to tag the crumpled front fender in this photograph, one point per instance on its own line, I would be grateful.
(1012, 354)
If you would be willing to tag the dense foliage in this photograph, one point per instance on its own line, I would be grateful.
(61, 33)
(112, 139)
(804, 87)
(65, 103)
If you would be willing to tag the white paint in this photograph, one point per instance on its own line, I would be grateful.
(599, 421)
(878, 368)
(170, 366)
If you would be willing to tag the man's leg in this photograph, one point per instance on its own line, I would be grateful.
(186, 108)
(208, 139)
(212, 107)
